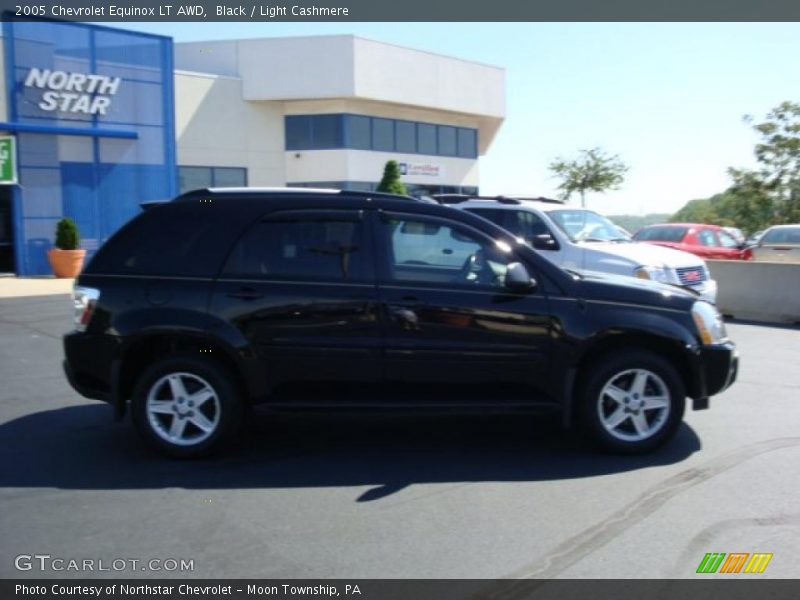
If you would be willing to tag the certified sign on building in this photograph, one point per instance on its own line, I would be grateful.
(8, 160)
(421, 169)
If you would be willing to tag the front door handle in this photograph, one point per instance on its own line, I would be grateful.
(246, 293)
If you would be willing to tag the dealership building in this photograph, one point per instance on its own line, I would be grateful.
(96, 120)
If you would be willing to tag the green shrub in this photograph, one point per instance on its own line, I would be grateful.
(391, 180)
(67, 236)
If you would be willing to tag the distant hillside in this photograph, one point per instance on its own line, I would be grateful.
(635, 222)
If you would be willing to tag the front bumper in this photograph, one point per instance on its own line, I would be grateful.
(719, 367)
(707, 290)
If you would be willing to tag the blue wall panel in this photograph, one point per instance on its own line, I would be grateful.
(97, 181)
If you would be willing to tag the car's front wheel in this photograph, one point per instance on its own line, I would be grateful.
(632, 402)
(186, 406)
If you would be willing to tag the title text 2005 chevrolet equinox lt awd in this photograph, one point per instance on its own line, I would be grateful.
(223, 298)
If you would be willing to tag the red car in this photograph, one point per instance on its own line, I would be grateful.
(706, 241)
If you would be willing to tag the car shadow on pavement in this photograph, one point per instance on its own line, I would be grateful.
(80, 447)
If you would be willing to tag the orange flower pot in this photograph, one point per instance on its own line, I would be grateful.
(66, 263)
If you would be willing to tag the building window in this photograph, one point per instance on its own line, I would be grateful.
(298, 133)
(406, 137)
(326, 131)
(426, 138)
(467, 143)
(360, 132)
(194, 178)
(447, 140)
(383, 135)
(357, 132)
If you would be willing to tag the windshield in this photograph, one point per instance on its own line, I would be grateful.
(587, 226)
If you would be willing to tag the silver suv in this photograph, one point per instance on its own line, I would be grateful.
(582, 240)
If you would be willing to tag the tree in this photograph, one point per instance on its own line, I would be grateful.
(593, 171)
(773, 188)
(390, 183)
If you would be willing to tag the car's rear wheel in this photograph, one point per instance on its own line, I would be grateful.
(186, 406)
(632, 402)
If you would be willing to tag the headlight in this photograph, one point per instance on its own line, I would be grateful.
(662, 274)
(709, 322)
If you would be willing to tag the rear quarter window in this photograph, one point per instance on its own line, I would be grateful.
(175, 239)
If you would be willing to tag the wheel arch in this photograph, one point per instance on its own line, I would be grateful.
(146, 349)
(675, 351)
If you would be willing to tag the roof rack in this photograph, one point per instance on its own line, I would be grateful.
(255, 191)
(458, 198)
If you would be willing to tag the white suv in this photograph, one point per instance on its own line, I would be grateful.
(582, 240)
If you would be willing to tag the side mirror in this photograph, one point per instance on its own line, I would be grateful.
(517, 278)
(544, 241)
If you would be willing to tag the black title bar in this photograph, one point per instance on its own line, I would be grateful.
(124, 11)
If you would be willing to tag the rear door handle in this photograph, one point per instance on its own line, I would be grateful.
(246, 293)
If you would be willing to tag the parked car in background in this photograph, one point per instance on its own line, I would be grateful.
(312, 299)
(780, 243)
(582, 240)
(705, 241)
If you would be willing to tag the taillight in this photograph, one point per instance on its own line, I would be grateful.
(747, 254)
(84, 300)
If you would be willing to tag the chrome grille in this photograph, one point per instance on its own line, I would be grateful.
(691, 275)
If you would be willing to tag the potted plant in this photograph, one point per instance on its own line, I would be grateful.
(66, 259)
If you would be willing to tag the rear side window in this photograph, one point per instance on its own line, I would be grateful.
(521, 223)
(661, 234)
(304, 248)
(706, 237)
(175, 240)
(787, 235)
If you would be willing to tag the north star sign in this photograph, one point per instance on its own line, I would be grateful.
(73, 92)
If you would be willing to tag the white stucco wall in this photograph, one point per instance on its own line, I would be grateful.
(232, 96)
(340, 67)
(214, 126)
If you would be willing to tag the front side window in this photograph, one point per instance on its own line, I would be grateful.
(726, 240)
(306, 248)
(436, 253)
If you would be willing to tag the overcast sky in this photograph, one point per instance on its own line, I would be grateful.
(667, 98)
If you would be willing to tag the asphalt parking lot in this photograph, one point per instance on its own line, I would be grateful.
(434, 496)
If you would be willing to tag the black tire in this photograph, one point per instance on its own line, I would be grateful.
(223, 409)
(618, 369)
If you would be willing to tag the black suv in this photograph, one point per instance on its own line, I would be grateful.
(311, 299)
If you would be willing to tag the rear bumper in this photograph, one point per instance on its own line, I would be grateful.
(88, 365)
(83, 387)
(719, 367)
